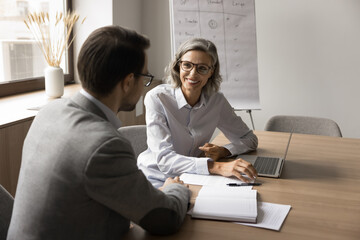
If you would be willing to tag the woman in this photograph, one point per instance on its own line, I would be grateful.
(182, 117)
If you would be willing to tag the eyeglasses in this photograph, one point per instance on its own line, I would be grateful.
(147, 78)
(202, 69)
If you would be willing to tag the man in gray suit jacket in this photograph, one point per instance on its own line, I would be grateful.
(78, 177)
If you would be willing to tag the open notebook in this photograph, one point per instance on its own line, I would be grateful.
(226, 204)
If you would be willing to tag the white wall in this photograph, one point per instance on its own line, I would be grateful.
(94, 19)
(156, 25)
(308, 54)
(309, 60)
(126, 13)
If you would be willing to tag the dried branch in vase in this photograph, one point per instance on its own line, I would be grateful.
(52, 35)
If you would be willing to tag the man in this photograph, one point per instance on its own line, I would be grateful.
(78, 178)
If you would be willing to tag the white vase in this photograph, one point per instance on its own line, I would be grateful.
(54, 82)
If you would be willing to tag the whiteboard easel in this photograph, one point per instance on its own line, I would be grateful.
(230, 25)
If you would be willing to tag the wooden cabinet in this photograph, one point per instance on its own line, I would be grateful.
(11, 143)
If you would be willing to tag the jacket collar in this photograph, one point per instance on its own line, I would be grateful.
(91, 104)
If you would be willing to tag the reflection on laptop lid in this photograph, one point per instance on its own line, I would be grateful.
(287, 147)
(267, 166)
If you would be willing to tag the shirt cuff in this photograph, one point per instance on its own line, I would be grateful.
(202, 166)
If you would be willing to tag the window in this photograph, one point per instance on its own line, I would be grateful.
(21, 61)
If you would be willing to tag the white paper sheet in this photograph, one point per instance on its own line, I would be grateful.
(139, 107)
(213, 180)
(235, 192)
(270, 216)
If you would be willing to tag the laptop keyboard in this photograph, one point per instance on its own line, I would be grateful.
(266, 165)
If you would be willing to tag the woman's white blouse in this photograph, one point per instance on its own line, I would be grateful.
(175, 131)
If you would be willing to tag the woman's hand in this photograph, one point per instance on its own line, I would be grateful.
(233, 168)
(214, 152)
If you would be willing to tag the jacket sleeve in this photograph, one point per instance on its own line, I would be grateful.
(113, 179)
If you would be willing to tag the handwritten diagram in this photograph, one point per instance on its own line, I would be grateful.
(230, 24)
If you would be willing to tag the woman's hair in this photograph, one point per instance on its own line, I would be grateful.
(108, 55)
(172, 71)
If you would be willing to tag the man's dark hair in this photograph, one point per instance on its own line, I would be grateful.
(108, 55)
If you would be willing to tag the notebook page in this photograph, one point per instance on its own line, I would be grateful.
(228, 209)
(227, 192)
(226, 203)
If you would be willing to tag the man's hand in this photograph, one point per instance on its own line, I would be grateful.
(214, 152)
(172, 181)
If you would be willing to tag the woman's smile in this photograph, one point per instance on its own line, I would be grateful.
(191, 81)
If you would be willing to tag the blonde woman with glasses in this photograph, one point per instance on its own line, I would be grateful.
(182, 116)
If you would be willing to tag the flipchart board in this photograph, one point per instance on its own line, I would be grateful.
(230, 25)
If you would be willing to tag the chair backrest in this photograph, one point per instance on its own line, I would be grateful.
(137, 136)
(6, 206)
(304, 125)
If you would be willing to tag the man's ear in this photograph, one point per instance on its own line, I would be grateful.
(128, 82)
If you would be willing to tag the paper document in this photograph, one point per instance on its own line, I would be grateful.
(233, 192)
(270, 215)
(213, 180)
(139, 107)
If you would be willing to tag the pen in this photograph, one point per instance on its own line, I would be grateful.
(243, 184)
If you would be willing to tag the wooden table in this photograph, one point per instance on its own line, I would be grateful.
(320, 180)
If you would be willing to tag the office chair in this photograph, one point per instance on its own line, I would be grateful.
(137, 136)
(304, 125)
(6, 206)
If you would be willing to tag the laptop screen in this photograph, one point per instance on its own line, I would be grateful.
(287, 147)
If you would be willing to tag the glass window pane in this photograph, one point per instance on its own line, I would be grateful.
(20, 55)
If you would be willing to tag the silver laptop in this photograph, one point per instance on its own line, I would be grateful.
(267, 166)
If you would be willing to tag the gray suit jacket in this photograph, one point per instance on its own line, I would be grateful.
(79, 180)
